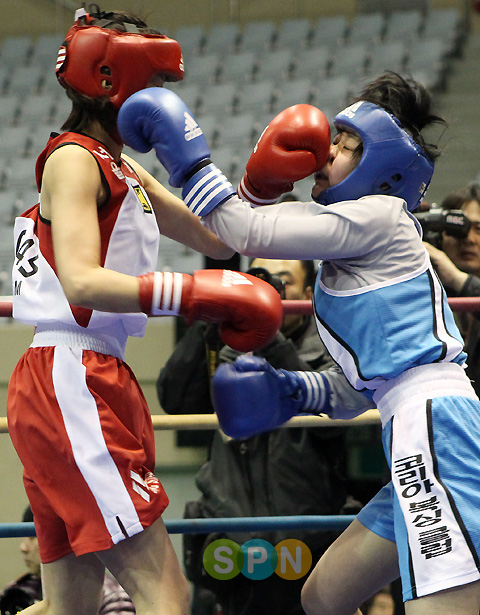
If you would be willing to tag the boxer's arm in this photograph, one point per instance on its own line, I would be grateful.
(157, 118)
(176, 221)
(293, 146)
(251, 397)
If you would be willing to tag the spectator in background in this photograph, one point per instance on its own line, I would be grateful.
(260, 476)
(458, 267)
(27, 590)
(381, 603)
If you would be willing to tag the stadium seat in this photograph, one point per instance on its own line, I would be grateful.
(256, 98)
(294, 33)
(15, 51)
(350, 61)
(312, 63)
(238, 67)
(332, 93)
(257, 36)
(9, 109)
(190, 38)
(14, 140)
(218, 99)
(45, 50)
(36, 109)
(190, 94)
(221, 38)
(428, 57)
(275, 65)
(329, 31)
(403, 25)
(8, 201)
(24, 80)
(366, 27)
(20, 174)
(448, 25)
(296, 91)
(225, 157)
(202, 69)
(236, 131)
(386, 56)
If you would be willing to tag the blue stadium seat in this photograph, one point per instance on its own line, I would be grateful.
(350, 61)
(218, 99)
(295, 92)
(313, 62)
(257, 36)
(366, 27)
(15, 51)
(403, 25)
(238, 67)
(202, 69)
(190, 38)
(329, 31)
(275, 65)
(256, 98)
(222, 38)
(236, 131)
(293, 33)
(9, 109)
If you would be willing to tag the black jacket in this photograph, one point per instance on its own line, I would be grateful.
(294, 471)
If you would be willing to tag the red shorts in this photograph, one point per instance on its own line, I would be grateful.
(83, 431)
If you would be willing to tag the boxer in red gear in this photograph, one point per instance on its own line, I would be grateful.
(83, 276)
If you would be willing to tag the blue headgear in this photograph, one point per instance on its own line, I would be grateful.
(391, 163)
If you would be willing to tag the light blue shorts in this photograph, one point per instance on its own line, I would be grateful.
(431, 508)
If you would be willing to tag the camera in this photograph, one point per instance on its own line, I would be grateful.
(273, 279)
(436, 221)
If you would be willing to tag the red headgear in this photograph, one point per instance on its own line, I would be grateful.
(93, 57)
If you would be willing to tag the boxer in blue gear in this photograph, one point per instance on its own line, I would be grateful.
(383, 315)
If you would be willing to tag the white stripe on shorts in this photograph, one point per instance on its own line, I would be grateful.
(438, 550)
(82, 423)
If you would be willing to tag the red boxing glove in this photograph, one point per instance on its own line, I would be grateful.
(248, 309)
(293, 146)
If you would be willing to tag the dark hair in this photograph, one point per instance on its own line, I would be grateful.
(409, 101)
(310, 273)
(309, 269)
(86, 109)
(457, 198)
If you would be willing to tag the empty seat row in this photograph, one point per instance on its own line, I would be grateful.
(354, 61)
(24, 50)
(297, 33)
(46, 108)
(264, 96)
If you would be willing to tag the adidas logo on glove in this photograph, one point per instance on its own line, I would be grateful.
(233, 278)
(192, 129)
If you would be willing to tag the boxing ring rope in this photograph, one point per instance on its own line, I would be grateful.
(458, 304)
(232, 524)
(208, 421)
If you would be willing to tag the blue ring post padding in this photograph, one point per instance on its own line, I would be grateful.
(231, 524)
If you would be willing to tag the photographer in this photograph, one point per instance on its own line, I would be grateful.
(457, 262)
(282, 472)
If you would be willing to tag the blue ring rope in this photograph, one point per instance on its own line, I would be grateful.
(230, 524)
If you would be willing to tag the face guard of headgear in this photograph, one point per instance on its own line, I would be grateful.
(96, 61)
(391, 163)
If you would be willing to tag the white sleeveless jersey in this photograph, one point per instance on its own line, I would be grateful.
(129, 244)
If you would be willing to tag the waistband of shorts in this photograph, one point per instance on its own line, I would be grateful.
(426, 381)
(64, 335)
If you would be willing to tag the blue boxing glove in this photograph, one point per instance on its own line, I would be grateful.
(250, 396)
(158, 118)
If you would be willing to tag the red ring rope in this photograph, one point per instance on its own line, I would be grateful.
(458, 304)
